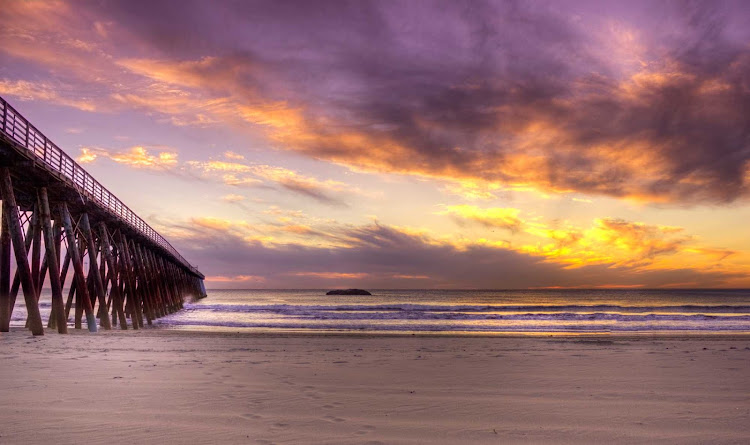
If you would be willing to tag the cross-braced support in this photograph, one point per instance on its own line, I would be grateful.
(115, 278)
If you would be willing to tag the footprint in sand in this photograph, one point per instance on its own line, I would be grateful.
(334, 419)
(366, 429)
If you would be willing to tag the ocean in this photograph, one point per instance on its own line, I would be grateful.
(527, 312)
(524, 312)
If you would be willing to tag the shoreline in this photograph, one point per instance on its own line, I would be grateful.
(261, 333)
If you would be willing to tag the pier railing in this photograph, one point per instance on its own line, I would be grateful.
(43, 151)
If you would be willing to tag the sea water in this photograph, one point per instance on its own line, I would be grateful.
(469, 311)
(527, 312)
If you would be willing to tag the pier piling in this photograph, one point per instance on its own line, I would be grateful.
(54, 216)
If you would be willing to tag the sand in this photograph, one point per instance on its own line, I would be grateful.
(173, 387)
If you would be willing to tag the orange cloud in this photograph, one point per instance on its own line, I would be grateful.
(299, 229)
(331, 275)
(235, 279)
(213, 223)
(240, 174)
(505, 218)
(232, 198)
(411, 277)
(233, 155)
(608, 241)
(717, 254)
(25, 90)
(137, 157)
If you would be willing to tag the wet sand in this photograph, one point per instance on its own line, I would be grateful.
(174, 387)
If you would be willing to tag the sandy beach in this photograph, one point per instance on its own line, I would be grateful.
(180, 387)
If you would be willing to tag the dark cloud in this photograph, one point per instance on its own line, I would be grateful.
(637, 100)
(311, 191)
(496, 91)
(379, 256)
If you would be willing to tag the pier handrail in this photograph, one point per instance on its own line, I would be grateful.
(19, 129)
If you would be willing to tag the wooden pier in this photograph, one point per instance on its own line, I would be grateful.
(61, 226)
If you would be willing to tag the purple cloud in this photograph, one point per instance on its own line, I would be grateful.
(643, 101)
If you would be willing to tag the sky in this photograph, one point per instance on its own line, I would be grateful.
(414, 144)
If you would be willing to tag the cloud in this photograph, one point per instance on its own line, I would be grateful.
(330, 275)
(612, 242)
(235, 280)
(381, 256)
(302, 184)
(717, 254)
(232, 198)
(492, 95)
(230, 173)
(508, 93)
(212, 223)
(646, 241)
(233, 155)
(241, 174)
(26, 91)
(504, 218)
(136, 157)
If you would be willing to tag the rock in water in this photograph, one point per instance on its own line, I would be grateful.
(348, 292)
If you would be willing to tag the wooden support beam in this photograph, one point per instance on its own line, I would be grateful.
(94, 271)
(138, 279)
(115, 291)
(69, 303)
(134, 298)
(22, 261)
(5, 248)
(92, 292)
(42, 274)
(166, 284)
(171, 275)
(83, 299)
(63, 276)
(146, 282)
(163, 303)
(17, 276)
(140, 292)
(161, 280)
(52, 263)
(39, 282)
(4, 274)
(36, 248)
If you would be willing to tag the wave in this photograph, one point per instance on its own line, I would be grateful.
(561, 316)
(426, 327)
(425, 308)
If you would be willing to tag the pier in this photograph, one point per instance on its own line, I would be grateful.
(61, 226)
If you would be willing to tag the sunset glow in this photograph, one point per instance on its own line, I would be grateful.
(411, 144)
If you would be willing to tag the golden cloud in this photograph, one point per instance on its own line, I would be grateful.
(235, 279)
(213, 223)
(233, 155)
(136, 157)
(331, 275)
(505, 218)
(232, 198)
(608, 241)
